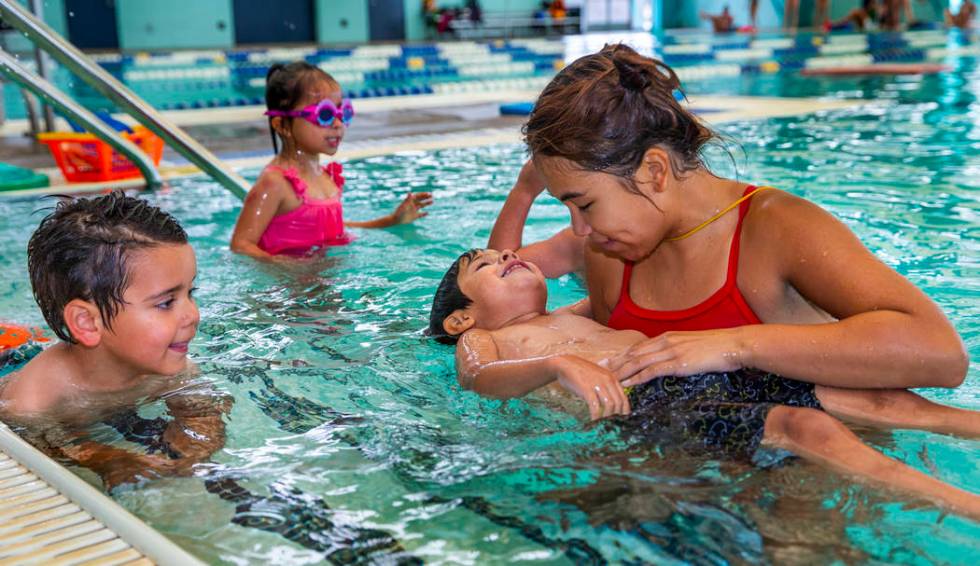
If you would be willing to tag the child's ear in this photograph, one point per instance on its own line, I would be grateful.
(655, 169)
(84, 322)
(458, 322)
(278, 126)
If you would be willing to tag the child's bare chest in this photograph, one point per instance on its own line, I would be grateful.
(564, 335)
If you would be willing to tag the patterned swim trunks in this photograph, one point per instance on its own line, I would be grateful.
(714, 414)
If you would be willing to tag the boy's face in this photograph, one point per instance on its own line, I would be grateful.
(151, 331)
(502, 287)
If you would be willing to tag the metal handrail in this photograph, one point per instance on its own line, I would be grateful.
(98, 78)
(44, 90)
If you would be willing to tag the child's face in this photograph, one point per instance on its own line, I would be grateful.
(151, 331)
(616, 220)
(310, 138)
(502, 287)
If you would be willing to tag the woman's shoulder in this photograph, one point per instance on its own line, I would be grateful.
(775, 209)
(781, 221)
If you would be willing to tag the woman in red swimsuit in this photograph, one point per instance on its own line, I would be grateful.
(719, 274)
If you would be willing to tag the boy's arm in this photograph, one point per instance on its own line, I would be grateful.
(198, 428)
(117, 465)
(480, 368)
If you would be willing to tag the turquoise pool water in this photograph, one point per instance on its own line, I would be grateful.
(348, 427)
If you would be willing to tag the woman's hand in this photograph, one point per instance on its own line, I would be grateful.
(410, 209)
(597, 386)
(679, 353)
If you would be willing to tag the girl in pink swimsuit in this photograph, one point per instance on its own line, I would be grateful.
(294, 209)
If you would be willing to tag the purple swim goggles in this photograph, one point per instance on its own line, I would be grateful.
(320, 114)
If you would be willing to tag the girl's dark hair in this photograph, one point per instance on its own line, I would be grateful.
(605, 110)
(82, 250)
(285, 85)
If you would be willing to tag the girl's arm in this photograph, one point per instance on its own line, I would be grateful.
(408, 211)
(560, 254)
(260, 206)
(480, 369)
(888, 333)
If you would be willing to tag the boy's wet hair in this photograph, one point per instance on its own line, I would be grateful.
(449, 298)
(285, 85)
(605, 110)
(82, 249)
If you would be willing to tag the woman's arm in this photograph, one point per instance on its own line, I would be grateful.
(560, 254)
(888, 333)
(408, 211)
(261, 205)
(508, 229)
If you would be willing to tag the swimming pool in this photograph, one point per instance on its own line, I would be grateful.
(353, 441)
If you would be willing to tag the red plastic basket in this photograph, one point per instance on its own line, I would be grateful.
(84, 158)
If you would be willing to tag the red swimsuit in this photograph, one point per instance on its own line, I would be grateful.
(726, 308)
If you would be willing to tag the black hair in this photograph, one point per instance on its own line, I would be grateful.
(284, 87)
(448, 299)
(81, 251)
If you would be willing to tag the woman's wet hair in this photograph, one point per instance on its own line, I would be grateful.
(285, 85)
(82, 249)
(605, 110)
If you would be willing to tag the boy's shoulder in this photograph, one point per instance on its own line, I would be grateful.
(37, 388)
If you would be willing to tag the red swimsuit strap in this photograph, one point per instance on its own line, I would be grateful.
(732, 272)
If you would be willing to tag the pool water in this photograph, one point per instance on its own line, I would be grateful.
(350, 439)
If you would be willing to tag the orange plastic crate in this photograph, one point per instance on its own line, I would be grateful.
(84, 158)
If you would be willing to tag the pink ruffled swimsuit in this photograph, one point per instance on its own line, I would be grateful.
(313, 224)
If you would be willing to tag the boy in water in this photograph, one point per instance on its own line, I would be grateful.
(114, 278)
(492, 305)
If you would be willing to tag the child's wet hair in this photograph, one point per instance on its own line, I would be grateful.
(605, 110)
(448, 299)
(285, 85)
(82, 250)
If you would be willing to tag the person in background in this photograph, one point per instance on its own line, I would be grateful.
(294, 209)
(720, 23)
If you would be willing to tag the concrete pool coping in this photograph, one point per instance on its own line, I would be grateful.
(716, 110)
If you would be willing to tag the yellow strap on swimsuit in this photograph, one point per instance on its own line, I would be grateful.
(717, 216)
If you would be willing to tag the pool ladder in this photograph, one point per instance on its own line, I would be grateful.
(98, 78)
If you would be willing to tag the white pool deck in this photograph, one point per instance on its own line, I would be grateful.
(722, 109)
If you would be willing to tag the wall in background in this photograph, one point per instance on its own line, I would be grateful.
(175, 24)
(54, 16)
(770, 15)
(341, 22)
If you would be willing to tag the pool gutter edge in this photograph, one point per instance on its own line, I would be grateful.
(113, 516)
